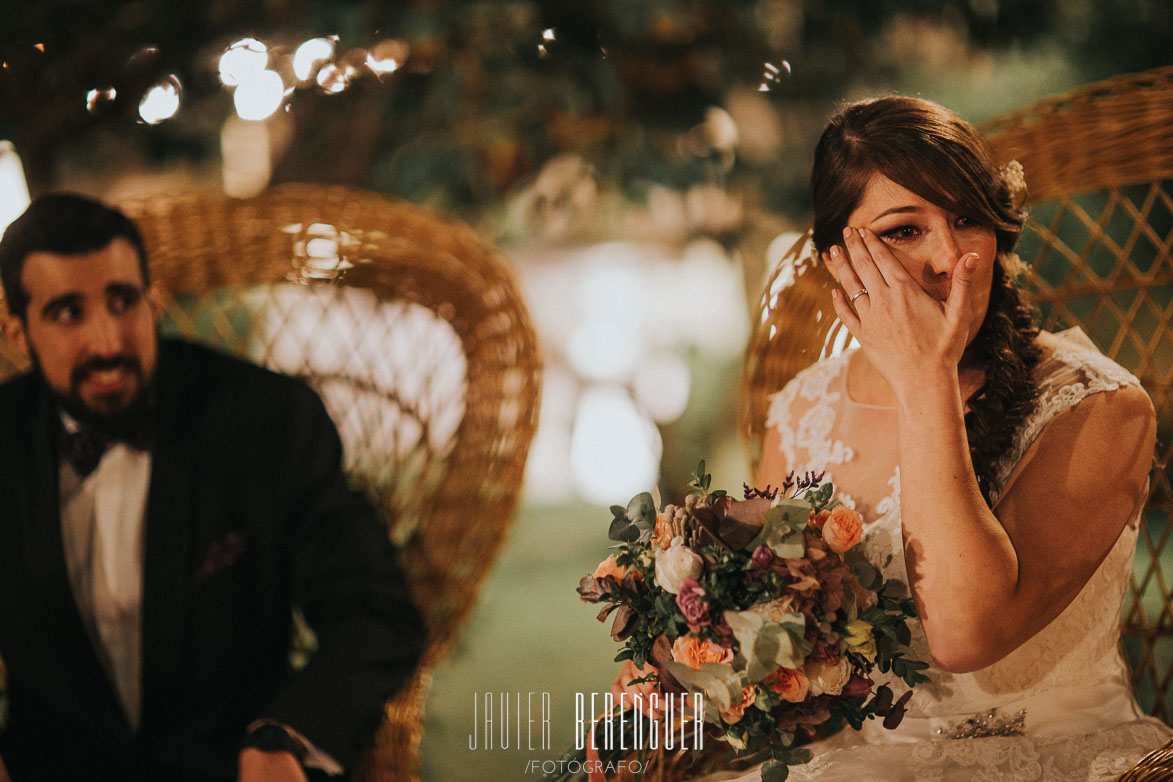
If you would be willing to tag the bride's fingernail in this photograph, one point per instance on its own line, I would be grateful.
(835, 251)
(970, 260)
(847, 232)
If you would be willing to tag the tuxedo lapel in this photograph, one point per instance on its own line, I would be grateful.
(167, 569)
(70, 658)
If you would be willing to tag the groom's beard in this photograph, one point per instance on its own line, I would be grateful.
(125, 422)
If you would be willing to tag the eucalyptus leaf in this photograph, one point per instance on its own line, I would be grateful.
(798, 756)
(719, 682)
(785, 543)
(783, 527)
(775, 771)
(766, 644)
(867, 574)
(796, 513)
(636, 521)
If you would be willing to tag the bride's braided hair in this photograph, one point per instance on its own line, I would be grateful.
(932, 152)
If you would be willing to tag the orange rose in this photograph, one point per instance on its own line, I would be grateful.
(843, 529)
(817, 520)
(608, 568)
(737, 710)
(693, 651)
(790, 684)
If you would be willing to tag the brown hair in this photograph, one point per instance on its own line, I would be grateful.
(63, 224)
(932, 152)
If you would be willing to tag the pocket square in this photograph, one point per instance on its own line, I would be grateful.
(222, 554)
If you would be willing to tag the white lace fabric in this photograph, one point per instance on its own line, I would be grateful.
(1081, 721)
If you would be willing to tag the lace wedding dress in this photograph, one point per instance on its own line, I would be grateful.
(1057, 708)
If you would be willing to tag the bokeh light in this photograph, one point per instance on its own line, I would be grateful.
(161, 101)
(243, 60)
(549, 37)
(246, 157)
(388, 56)
(600, 348)
(259, 95)
(14, 191)
(333, 78)
(772, 75)
(310, 55)
(607, 340)
(99, 98)
(662, 385)
(614, 450)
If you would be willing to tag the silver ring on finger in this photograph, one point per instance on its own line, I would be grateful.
(857, 294)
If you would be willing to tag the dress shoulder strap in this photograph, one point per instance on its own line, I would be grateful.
(1073, 371)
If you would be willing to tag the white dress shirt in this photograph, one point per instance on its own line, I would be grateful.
(102, 527)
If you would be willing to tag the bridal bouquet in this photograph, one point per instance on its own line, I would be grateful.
(764, 607)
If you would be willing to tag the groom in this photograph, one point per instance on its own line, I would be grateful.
(163, 511)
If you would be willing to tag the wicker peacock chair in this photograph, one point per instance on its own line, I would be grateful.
(1097, 245)
(413, 331)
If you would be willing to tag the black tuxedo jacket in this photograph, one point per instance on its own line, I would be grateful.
(248, 515)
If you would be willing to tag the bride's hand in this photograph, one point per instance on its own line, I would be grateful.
(903, 330)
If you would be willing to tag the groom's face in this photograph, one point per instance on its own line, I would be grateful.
(90, 328)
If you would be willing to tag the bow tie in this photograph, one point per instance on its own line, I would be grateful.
(84, 448)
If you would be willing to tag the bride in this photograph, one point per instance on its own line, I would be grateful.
(1004, 468)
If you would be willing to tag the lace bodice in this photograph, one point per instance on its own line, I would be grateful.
(821, 428)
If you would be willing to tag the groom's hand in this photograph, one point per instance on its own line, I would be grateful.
(257, 765)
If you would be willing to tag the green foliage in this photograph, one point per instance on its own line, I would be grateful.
(635, 522)
(767, 644)
(775, 771)
(784, 527)
(819, 498)
(699, 486)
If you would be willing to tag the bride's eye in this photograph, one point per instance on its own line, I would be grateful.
(900, 233)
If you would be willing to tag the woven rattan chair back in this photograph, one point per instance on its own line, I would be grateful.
(796, 326)
(413, 331)
(1098, 165)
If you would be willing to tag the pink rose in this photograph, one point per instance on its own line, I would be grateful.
(762, 556)
(688, 600)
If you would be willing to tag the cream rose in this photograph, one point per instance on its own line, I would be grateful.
(676, 564)
(827, 678)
